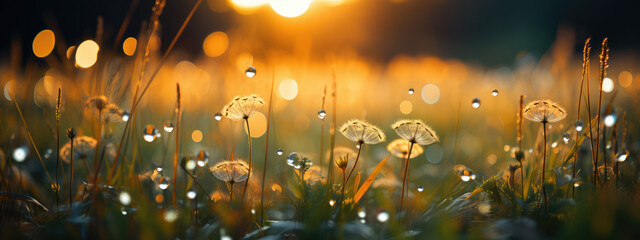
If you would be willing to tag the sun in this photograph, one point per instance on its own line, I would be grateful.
(290, 8)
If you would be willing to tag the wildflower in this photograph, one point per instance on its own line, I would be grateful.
(415, 131)
(231, 171)
(112, 113)
(400, 148)
(242, 107)
(97, 102)
(83, 147)
(362, 132)
(544, 111)
(342, 162)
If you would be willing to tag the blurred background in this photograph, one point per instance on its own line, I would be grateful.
(435, 60)
(488, 32)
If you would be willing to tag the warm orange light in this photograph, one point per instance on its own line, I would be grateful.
(70, 51)
(43, 43)
(129, 46)
(244, 61)
(247, 6)
(87, 54)
(215, 44)
(625, 79)
(290, 8)
(406, 107)
(288, 89)
(258, 124)
(196, 136)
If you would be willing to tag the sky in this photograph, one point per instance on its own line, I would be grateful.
(487, 32)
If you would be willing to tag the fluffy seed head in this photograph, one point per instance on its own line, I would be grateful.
(231, 171)
(242, 107)
(545, 111)
(362, 132)
(415, 131)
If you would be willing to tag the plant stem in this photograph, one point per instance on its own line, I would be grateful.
(230, 192)
(355, 164)
(544, 164)
(244, 189)
(71, 179)
(404, 177)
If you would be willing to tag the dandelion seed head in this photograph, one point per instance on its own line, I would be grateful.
(83, 147)
(231, 171)
(415, 131)
(242, 107)
(544, 111)
(400, 148)
(362, 132)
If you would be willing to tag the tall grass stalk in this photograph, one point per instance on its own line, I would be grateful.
(585, 61)
(58, 146)
(520, 155)
(176, 153)
(266, 149)
(33, 144)
(604, 64)
(324, 95)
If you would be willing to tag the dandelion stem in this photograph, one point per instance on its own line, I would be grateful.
(404, 177)
(71, 179)
(354, 164)
(244, 188)
(544, 164)
(230, 192)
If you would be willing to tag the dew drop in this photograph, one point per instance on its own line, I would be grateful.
(168, 127)
(610, 120)
(126, 115)
(20, 153)
(150, 133)
(218, 116)
(579, 125)
(475, 103)
(420, 188)
(164, 183)
(383, 216)
(622, 155)
(554, 144)
(322, 114)
(362, 213)
(332, 202)
(290, 161)
(565, 137)
(124, 198)
(250, 72)
(494, 92)
(411, 91)
(48, 153)
(202, 158)
(280, 152)
(191, 194)
(159, 169)
(253, 211)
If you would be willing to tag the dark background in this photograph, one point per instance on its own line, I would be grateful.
(490, 32)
